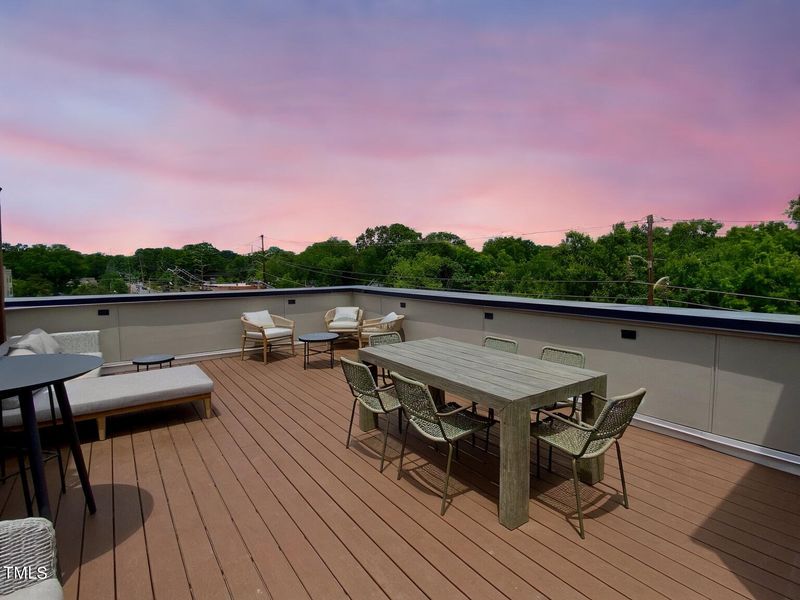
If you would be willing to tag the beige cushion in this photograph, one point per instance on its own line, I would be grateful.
(100, 394)
(392, 316)
(48, 589)
(337, 325)
(272, 333)
(261, 318)
(345, 313)
(37, 341)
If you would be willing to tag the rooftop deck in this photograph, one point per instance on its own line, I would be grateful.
(263, 500)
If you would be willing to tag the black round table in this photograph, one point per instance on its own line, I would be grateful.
(20, 376)
(153, 359)
(316, 338)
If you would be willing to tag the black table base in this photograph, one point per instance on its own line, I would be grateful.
(308, 351)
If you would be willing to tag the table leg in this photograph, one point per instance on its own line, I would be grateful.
(34, 454)
(515, 456)
(305, 355)
(331, 354)
(367, 420)
(74, 443)
(438, 396)
(590, 470)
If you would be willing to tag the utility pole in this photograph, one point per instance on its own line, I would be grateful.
(650, 270)
(263, 263)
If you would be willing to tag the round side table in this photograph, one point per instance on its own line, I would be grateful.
(317, 338)
(152, 359)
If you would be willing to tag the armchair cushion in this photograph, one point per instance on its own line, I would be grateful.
(48, 589)
(342, 325)
(346, 313)
(261, 318)
(271, 333)
(392, 316)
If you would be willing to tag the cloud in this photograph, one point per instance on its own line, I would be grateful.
(277, 118)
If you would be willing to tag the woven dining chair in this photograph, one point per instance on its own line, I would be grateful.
(504, 345)
(498, 343)
(580, 440)
(433, 424)
(382, 339)
(562, 356)
(378, 400)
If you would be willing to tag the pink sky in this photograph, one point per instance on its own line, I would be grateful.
(127, 127)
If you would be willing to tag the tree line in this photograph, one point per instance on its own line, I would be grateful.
(753, 267)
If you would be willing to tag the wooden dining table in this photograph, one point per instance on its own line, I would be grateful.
(511, 384)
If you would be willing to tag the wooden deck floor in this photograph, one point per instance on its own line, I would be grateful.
(264, 501)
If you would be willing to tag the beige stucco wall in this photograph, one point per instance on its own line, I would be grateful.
(734, 385)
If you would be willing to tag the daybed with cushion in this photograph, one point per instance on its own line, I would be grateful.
(94, 397)
(391, 322)
(266, 330)
(344, 320)
(101, 397)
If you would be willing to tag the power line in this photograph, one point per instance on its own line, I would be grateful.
(690, 289)
(423, 242)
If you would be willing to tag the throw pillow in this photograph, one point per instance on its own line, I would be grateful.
(261, 318)
(392, 316)
(37, 341)
(346, 313)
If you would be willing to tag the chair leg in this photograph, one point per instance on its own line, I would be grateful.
(385, 439)
(447, 477)
(474, 412)
(244, 339)
(550, 459)
(293, 351)
(400, 420)
(350, 429)
(622, 476)
(402, 451)
(537, 459)
(577, 494)
(266, 351)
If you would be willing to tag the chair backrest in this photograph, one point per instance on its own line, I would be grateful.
(416, 399)
(563, 356)
(358, 377)
(381, 339)
(616, 415)
(499, 343)
(332, 313)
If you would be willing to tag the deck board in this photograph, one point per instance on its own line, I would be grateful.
(264, 501)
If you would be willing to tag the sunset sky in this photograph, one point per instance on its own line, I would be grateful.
(162, 123)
